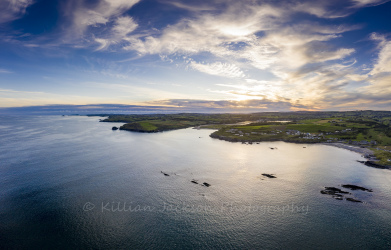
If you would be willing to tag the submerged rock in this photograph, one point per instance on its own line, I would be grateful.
(338, 194)
(269, 175)
(354, 187)
(165, 174)
(114, 128)
(353, 200)
(194, 181)
(333, 191)
(206, 184)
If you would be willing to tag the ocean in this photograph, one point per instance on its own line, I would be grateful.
(70, 182)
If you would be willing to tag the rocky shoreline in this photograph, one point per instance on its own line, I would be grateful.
(365, 152)
(226, 138)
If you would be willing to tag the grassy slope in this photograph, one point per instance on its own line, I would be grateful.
(156, 125)
(359, 130)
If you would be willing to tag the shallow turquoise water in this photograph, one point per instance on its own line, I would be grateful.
(72, 182)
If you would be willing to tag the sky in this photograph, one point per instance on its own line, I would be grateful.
(231, 55)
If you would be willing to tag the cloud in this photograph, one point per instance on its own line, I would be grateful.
(87, 19)
(219, 69)
(194, 8)
(321, 9)
(5, 71)
(253, 89)
(247, 41)
(308, 68)
(294, 47)
(121, 28)
(363, 3)
(230, 105)
(208, 32)
(11, 10)
(15, 98)
(383, 62)
(62, 109)
(260, 35)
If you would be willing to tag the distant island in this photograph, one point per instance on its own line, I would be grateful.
(366, 129)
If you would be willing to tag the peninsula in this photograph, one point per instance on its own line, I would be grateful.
(368, 130)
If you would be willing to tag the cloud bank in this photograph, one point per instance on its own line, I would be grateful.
(290, 54)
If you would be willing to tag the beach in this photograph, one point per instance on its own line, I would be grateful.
(367, 153)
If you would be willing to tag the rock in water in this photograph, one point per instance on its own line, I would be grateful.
(269, 175)
(334, 190)
(354, 187)
(114, 128)
(353, 200)
(164, 173)
(337, 193)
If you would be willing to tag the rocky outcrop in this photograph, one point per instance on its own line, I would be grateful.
(374, 164)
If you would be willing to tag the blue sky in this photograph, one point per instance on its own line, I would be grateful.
(224, 54)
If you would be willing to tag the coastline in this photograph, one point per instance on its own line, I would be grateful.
(371, 160)
(365, 152)
(368, 154)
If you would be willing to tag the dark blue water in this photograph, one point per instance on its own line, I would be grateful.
(72, 182)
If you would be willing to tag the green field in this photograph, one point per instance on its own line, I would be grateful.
(157, 125)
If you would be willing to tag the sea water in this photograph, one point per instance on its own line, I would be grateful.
(71, 182)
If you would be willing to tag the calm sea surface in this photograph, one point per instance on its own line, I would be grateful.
(72, 182)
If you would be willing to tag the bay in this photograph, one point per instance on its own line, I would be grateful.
(72, 182)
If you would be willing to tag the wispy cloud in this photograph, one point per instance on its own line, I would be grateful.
(289, 53)
(383, 62)
(308, 67)
(104, 19)
(362, 3)
(219, 69)
(236, 35)
(122, 27)
(244, 105)
(5, 71)
(11, 10)
(195, 7)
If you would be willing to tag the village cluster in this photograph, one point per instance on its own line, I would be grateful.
(304, 135)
